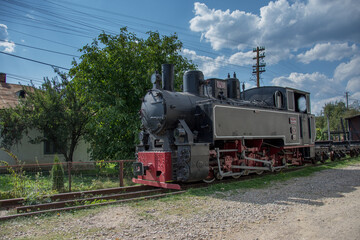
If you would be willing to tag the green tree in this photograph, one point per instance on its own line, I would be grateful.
(113, 75)
(335, 111)
(56, 110)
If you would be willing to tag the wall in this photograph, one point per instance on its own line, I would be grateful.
(32, 153)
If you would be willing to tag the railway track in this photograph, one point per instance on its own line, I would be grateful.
(82, 200)
(87, 199)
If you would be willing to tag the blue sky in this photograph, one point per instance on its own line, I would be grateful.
(310, 45)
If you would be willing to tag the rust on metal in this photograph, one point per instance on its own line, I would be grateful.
(84, 200)
(89, 206)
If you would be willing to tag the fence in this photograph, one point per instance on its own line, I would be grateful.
(34, 180)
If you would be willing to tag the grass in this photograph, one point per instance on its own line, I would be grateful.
(40, 184)
(183, 205)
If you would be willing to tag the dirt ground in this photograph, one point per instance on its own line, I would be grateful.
(330, 218)
(325, 205)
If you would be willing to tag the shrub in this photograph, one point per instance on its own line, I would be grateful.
(57, 175)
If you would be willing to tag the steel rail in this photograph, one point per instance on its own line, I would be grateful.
(58, 210)
(9, 203)
(69, 203)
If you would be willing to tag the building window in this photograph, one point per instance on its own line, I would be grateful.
(50, 148)
(21, 94)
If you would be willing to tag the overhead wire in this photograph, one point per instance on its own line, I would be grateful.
(33, 60)
(44, 39)
(23, 77)
(47, 11)
(42, 49)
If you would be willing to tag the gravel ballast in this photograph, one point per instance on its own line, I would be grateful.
(325, 205)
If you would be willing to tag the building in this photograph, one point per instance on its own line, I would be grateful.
(354, 127)
(26, 152)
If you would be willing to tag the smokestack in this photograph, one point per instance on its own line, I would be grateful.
(167, 77)
(192, 81)
(2, 77)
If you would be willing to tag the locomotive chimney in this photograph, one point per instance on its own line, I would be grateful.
(167, 77)
(192, 81)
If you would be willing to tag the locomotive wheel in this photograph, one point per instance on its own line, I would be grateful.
(208, 180)
(237, 176)
(259, 172)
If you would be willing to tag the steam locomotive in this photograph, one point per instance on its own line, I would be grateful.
(213, 130)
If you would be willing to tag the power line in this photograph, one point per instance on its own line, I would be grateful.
(76, 18)
(32, 60)
(42, 49)
(19, 77)
(45, 39)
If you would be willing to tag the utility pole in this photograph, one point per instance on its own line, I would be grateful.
(347, 100)
(260, 65)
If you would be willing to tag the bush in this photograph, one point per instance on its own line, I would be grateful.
(57, 175)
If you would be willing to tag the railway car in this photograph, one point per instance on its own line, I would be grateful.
(212, 130)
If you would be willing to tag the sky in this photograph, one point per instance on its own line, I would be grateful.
(311, 45)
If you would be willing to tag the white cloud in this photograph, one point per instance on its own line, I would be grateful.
(5, 46)
(242, 58)
(281, 25)
(324, 89)
(318, 84)
(317, 105)
(353, 84)
(222, 28)
(209, 66)
(349, 70)
(328, 52)
(290, 29)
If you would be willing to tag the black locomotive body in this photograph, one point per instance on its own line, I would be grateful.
(213, 130)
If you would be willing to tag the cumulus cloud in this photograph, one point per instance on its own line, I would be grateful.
(281, 25)
(317, 83)
(6, 46)
(325, 89)
(353, 84)
(242, 58)
(300, 30)
(349, 70)
(224, 28)
(317, 105)
(322, 88)
(209, 66)
(328, 52)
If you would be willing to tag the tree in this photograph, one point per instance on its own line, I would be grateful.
(335, 111)
(113, 75)
(55, 109)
